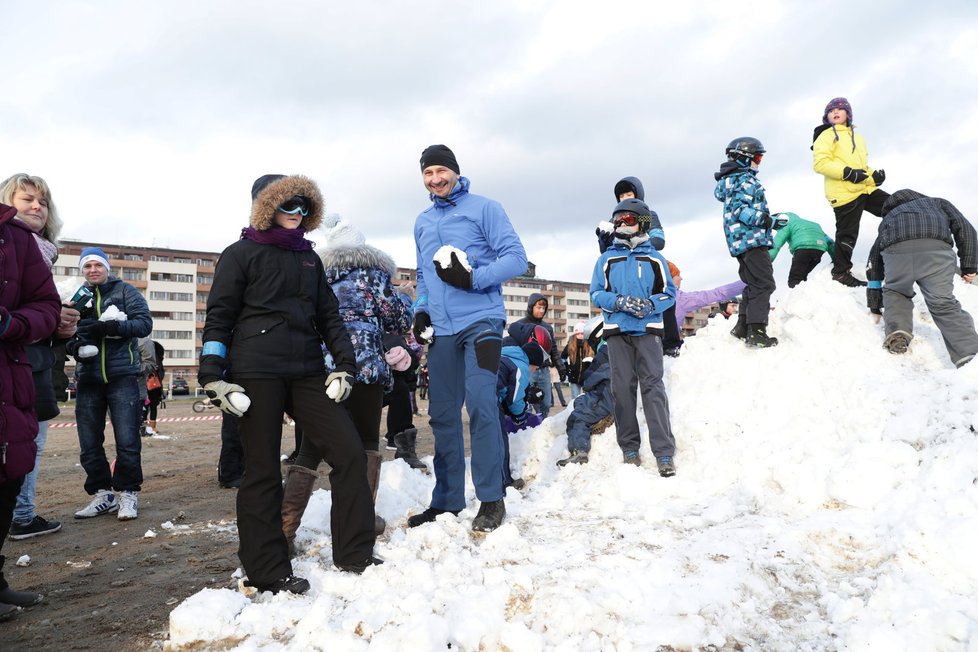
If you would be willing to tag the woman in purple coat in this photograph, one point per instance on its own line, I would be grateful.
(29, 310)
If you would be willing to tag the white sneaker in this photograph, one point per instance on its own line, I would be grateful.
(104, 502)
(127, 505)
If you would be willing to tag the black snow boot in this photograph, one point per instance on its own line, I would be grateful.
(758, 338)
(405, 443)
(428, 516)
(740, 328)
(490, 516)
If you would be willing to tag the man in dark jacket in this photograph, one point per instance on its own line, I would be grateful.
(916, 245)
(536, 309)
(107, 380)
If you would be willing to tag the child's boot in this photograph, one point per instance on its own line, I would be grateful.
(740, 328)
(757, 337)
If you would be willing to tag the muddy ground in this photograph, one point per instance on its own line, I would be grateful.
(108, 586)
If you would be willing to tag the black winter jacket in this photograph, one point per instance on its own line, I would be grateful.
(273, 309)
(520, 329)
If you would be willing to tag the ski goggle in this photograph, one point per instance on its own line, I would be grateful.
(297, 204)
(757, 158)
(628, 219)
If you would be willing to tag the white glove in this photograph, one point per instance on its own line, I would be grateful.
(339, 384)
(230, 398)
(398, 358)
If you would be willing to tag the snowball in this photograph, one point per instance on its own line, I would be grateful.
(112, 313)
(87, 351)
(239, 401)
(149, 534)
(443, 257)
(24, 560)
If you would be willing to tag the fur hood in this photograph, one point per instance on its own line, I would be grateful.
(272, 196)
(363, 257)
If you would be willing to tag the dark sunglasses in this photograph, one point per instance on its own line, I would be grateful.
(297, 204)
(628, 219)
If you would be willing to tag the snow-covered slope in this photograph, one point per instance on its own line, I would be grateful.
(826, 498)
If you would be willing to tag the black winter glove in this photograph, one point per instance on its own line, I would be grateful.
(99, 329)
(533, 395)
(562, 373)
(879, 176)
(455, 274)
(766, 220)
(422, 323)
(854, 176)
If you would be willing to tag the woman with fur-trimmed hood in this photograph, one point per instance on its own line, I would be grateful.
(269, 313)
(360, 277)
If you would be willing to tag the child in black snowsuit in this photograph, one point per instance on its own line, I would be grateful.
(595, 404)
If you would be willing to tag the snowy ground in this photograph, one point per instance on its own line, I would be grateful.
(826, 498)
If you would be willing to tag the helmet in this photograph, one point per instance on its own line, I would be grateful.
(594, 331)
(639, 208)
(744, 147)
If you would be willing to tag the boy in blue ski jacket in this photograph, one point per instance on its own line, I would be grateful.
(466, 249)
(747, 225)
(632, 286)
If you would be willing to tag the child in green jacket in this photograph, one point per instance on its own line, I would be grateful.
(806, 241)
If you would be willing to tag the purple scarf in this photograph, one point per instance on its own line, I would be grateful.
(288, 239)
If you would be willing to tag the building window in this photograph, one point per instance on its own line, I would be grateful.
(132, 257)
(160, 259)
(173, 335)
(205, 279)
(171, 296)
(201, 297)
(201, 316)
(205, 262)
(129, 274)
(179, 354)
(181, 260)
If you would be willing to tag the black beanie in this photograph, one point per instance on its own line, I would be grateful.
(263, 182)
(439, 155)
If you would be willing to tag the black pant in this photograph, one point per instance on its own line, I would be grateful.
(671, 339)
(365, 405)
(400, 417)
(847, 226)
(155, 396)
(230, 465)
(757, 272)
(803, 261)
(263, 550)
(8, 500)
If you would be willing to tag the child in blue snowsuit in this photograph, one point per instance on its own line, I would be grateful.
(595, 403)
(516, 365)
(632, 286)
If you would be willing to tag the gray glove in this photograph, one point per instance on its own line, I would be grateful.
(339, 384)
(217, 391)
(634, 306)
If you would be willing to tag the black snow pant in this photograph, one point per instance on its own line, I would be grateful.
(847, 219)
(230, 465)
(803, 261)
(757, 271)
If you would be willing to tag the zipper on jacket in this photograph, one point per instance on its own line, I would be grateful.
(101, 353)
(4, 449)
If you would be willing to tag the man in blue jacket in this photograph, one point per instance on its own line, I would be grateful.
(466, 249)
(107, 380)
(632, 286)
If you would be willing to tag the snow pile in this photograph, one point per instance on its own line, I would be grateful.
(826, 498)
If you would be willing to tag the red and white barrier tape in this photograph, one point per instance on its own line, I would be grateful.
(72, 424)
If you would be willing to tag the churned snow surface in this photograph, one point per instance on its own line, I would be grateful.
(826, 498)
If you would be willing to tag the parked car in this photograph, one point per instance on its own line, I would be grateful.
(179, 386)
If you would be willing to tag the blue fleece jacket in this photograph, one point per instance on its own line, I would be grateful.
(480, 227)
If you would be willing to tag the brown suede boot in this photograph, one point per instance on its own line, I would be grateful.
(299, 483)
(374, 459)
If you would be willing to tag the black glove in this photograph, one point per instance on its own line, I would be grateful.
(562, 373)
(854, 176)
(455, 274)
(534, 395)
(766, 220)
(672, 353)
(779, 221)
(99, 329)
(879, 176)
(422, 322)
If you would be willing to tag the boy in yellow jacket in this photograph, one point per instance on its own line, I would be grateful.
(851, 186)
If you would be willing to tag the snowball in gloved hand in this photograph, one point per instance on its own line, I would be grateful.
(240, 401)
(87, 351)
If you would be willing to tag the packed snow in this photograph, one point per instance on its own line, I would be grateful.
(826, 498)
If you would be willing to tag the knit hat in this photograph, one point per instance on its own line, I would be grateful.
(340, 233)
(439, 155)
(534, 353)
(673, 270)
(93, 253)
(840, 103)
(579, 328)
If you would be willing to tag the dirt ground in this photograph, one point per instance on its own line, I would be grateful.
(106, 585)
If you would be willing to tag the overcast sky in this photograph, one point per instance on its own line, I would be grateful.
(150, 120)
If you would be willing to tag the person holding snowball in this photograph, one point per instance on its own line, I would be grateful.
(466, 248)
(269, 313)
(107, 356)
